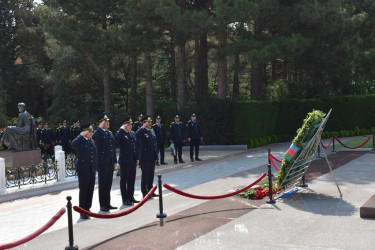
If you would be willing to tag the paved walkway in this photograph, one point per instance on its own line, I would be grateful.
(313, 218)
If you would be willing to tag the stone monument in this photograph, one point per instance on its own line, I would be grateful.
(21, 141)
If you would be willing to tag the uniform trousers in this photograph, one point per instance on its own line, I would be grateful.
(105, 177)
(178, 146)
(86, 183)
(194, 143)
(161, 151)
(148, 171)
(127, 181)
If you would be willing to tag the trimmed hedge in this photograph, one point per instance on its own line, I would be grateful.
(257, 119)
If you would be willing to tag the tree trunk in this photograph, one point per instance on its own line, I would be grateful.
(149, 97)
(133, 82)
(222, 68)
(256, 89)
(236, 84)
(107, 91)
(257, 81)
(181, 81)
(203, 64)
(197, 72)
(172, 70)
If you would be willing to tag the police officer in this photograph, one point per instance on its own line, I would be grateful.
(38, 130)
(46, 140)
(86, 166)
(194, 136)
(160, 138)
(138, 123)
(106, 160)
(64, 137)
(128, 160)
(148, 154)
(57, 134)
(177, 137)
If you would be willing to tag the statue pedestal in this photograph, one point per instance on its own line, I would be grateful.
(22, 158)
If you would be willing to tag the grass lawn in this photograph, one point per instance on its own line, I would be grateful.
(355, 142)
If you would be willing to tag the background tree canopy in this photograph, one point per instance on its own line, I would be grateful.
(74, 59)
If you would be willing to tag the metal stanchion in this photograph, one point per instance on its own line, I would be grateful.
(333, 142)
(70, 225)
(303, 184)
(161, 215)
(270, 200)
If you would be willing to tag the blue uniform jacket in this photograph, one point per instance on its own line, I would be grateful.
(194, 130)
(86, 154)
(127, 142)
(177, 132)
(64, 134)
(46, 136)
(159, 132)
(147, 145)
(105, 145)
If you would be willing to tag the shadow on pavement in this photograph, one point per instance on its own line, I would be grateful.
(323, 204)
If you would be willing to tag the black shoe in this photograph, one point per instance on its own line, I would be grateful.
(175, 162)
(135, 201)
(111, 207)
(84, 217)
(192, 160)
(104, 208)
(197, 159)
(155, 195)
(181, 161)
(157, 164)
(127, 203)
(164, 163)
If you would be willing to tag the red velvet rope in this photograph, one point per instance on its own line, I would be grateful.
(36, 233)
(213, 197)
(273, 159)
(115, 215)
(329, 144)
(353, 147)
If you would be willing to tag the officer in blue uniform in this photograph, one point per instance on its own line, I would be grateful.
(194, 136)
(86, 166)
(160, 138)
(177, 137)
(75, 130)
(46, 141)
(128, 160)
(138, 124)
(38, 130)
(106, 160)
(148, 154)
(64, 137)
(57, 134)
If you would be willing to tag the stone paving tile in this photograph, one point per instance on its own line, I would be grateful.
(24, 216)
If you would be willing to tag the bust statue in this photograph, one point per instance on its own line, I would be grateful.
(23, 135)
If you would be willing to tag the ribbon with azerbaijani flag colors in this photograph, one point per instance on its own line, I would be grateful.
(291, 152)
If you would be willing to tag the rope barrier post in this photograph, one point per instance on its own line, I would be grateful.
(270, 200)
(161, 215)
(333, 142)
(70, 225)
(373, 142)
(303, 184)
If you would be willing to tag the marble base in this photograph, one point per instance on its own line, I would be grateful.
(22, 158)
